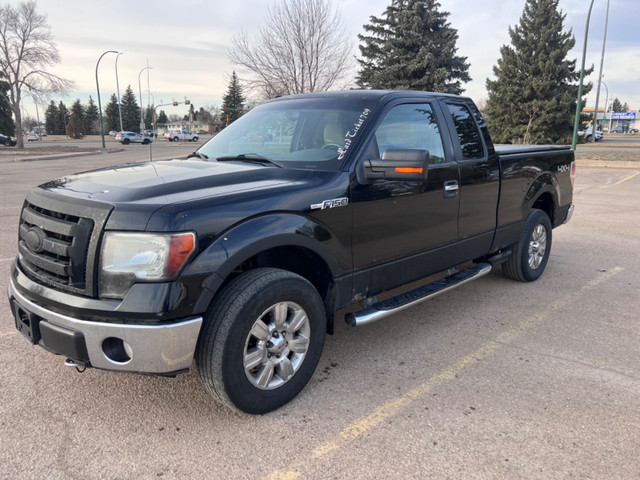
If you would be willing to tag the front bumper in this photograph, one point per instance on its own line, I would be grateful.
(155, 349)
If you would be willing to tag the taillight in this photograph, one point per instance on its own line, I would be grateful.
(573, 173)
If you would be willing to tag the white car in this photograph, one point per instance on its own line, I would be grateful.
(131, 137)
(33, 137)
(588, 132)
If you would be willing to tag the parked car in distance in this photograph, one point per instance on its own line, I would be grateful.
(621, 129)
(149, 133)
(587, 134)
(201, 132)
(33, 137)
(113, 133)
(131, 137)
(7, 141)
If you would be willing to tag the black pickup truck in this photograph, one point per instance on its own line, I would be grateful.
(240, 255)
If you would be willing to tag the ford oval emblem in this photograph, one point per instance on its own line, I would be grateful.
(34, 238)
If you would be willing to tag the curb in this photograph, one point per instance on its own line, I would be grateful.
(607, 164)
(58, 156)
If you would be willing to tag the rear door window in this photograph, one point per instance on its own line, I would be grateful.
(468, 133)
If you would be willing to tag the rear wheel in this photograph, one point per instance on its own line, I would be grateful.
(126, 141)
(531, 253)
(262, 340)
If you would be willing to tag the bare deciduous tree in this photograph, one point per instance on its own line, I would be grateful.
(27, 49)
(303, 47)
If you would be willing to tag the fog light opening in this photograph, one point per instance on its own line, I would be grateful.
(117, 350)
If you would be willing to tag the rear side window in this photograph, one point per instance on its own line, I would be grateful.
(467, 130)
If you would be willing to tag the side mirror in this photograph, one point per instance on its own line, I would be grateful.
(398, 164)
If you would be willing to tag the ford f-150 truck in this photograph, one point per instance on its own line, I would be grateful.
(241, 255)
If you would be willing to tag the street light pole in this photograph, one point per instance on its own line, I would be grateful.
(576, 123)
(140, 92)
(99, 102)
(604, 42)
(118, 89)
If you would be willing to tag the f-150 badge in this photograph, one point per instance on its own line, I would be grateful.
(336, 202)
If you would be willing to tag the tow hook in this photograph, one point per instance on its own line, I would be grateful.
(79, 366)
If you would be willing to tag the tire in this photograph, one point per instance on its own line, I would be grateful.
(126, 141)
(262, 340)
(194, 139)
(176, 139)
(146, 141)
(531, 253)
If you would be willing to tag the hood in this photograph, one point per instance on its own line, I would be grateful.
(173, 181)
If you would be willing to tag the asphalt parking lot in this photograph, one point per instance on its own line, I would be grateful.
(496, 379)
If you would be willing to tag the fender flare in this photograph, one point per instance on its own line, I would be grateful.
(245, 240)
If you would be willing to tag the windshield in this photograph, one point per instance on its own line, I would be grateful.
(307, 133)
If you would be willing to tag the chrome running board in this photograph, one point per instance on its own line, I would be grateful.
(401, 302)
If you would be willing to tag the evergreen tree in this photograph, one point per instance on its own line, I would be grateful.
(76, 126)
(233, 101)
(51, 118)
(618, 107)
(62, 120)
(130, 111)
(148, 117)
(91, 118)
(7, 127)
(412, 47)
(162, 117)
(533, 97)
(112, 115)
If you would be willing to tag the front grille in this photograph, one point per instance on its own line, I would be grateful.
(57, 241)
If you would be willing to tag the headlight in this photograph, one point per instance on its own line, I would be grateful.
(127, 258)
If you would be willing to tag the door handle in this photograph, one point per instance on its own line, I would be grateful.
(451, 189)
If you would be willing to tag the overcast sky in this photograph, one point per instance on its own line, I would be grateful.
(186, 43)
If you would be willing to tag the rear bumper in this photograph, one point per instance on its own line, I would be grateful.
(569, 214)
(163, 349)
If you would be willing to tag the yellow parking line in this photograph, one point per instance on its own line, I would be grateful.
(628, 178)
(393, 407)
(6, 334)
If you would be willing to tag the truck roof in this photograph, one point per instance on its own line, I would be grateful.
(369, 95)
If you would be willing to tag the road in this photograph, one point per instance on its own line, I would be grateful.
(496, 379)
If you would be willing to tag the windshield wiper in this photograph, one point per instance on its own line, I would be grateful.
(199, 155)
(250, 157)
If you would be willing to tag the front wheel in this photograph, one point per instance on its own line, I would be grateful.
(176, 139)
(262, 340)
(531, 253)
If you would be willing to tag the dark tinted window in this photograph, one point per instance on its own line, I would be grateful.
(467, 131)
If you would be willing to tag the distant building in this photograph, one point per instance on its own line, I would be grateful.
(610, 120)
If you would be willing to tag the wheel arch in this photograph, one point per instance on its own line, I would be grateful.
(300, 246)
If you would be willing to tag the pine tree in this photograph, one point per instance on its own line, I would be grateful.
(76, 126)
(130, 111)
(61, 120)
(91, 118)
(162, 117)
(233, 101)
(533, 98)
(112, 115)
(7, 127)
(50, 118)
(412, 47)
